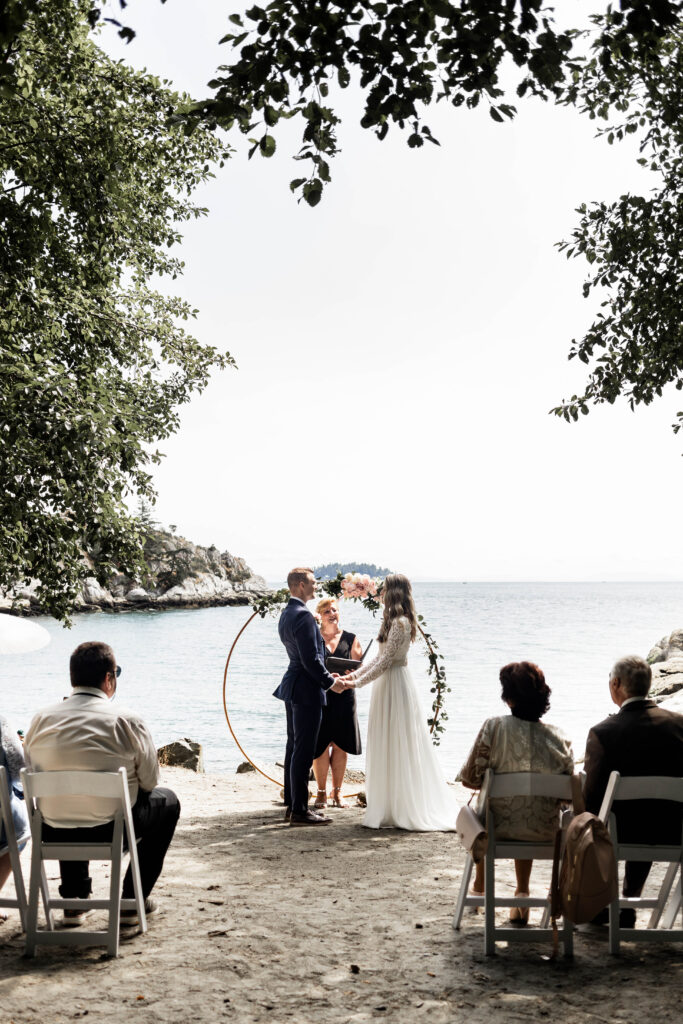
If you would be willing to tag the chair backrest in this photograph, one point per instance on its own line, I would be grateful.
(640, 787)
(55, 786)
(541, 784)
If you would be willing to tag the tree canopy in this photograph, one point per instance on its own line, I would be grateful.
(624, 70)
(404, 55)
(95, 183)
(634, 246)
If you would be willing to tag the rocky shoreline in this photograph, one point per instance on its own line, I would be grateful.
(666, 660)
(180, 574)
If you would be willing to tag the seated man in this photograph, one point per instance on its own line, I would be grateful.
(642, 739)
(85, 732)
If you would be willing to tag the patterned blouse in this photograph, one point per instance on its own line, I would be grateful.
(508, 744)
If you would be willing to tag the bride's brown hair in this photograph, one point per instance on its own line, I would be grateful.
(397, 595)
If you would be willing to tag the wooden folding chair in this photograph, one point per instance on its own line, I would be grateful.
(17, 902)
(513, 784)
(645, 788)
(102, 785)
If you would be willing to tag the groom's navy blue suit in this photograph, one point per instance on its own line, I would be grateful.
(303, 689)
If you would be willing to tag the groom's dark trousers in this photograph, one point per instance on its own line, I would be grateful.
(303, 689)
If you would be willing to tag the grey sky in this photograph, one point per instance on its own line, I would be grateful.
(399, 348)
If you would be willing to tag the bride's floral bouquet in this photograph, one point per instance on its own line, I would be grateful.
(360, 585)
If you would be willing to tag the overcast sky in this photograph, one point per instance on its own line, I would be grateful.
(399, 348)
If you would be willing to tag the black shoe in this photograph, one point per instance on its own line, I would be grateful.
(309, 818)
(627, 917)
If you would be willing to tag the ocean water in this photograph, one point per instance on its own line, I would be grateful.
(173, 662)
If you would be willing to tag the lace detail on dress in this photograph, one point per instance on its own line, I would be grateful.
(393, 652)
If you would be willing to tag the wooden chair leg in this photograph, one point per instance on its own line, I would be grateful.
(489, 904)
(34, 887)
(115, 890)
(676, 905)
(663, 895)
(462, 895)
(45, 894)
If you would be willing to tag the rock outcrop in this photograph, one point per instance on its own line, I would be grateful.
(180, 575)
(666, 659)
(182, 754)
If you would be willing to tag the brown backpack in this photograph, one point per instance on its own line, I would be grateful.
(586, 881)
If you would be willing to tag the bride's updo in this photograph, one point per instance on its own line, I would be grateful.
(397, 596)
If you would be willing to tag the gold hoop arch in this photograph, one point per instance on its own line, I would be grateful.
(225, 705)
(227, 716)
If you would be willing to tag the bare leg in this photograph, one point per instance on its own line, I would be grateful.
(338, 765)
(523, 872)
(5, 868)
(321, 767)
(478, 883)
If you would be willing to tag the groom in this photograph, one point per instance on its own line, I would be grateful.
(303, 690)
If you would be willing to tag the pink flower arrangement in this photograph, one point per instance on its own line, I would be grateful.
(356, 584)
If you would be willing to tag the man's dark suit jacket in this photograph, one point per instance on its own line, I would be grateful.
(306, 678)
(642, 739)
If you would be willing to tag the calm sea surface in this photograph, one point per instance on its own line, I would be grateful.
(173, 661)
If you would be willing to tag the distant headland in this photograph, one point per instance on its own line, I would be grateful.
(329, 571)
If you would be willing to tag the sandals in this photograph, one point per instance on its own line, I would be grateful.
(338, 800)
(519, 915)
(321, 799)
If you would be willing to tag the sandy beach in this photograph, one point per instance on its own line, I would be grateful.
(261, 922)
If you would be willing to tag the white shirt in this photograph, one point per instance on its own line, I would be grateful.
(86, 732)
(631, 700)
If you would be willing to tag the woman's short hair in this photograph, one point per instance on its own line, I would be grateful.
(524, 688)
(324, 604)
(90, 663)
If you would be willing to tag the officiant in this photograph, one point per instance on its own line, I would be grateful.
(339, 734)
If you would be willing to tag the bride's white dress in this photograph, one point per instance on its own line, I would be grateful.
(405, 787)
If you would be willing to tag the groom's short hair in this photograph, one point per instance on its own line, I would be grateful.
(297, 576)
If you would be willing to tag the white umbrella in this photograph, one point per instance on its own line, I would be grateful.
(17, 636)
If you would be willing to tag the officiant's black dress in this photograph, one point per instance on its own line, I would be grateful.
(340, 722)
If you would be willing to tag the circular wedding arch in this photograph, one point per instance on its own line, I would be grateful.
(333, 588)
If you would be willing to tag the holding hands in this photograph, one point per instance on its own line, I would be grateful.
(342, 683)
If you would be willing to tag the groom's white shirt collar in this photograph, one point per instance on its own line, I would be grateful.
(292, 598)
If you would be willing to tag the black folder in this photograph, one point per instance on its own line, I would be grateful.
(342, 665)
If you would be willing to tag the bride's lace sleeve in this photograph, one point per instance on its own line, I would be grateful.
(379, 664)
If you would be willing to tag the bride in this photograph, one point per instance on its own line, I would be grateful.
(405, 787)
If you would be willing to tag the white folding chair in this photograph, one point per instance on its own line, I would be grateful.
(531, 784)
(17, 902)
(645, 788)
(101, 785)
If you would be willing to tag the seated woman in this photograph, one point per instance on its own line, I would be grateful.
(12, 760)
(519, 742)
(339, 734)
